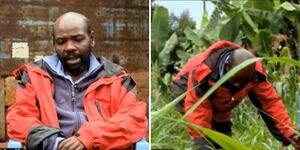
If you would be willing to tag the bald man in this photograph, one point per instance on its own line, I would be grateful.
(205, 69)
(72, 100)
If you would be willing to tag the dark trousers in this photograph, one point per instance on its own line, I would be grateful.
(205, 143)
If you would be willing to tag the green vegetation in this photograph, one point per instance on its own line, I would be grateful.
(267, 28)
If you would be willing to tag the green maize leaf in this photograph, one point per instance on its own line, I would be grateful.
(223, 140)
(169, 106)
(284, 60)
(226, 142)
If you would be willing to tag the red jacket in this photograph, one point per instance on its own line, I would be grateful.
(120, 121)
(219, 105)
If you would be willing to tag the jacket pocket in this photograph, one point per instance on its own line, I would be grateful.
(99, 109)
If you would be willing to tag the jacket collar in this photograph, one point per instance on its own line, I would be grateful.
(56, 67)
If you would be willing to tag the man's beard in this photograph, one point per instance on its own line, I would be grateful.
(84, 61)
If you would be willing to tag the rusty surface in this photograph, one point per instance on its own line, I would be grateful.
(8, 65)
(121, 27)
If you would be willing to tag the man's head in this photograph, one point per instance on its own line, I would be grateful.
(245, 75)
(73, 40)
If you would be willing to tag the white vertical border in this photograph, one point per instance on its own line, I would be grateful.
(149, 72)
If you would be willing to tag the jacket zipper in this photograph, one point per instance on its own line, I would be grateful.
(99, 110)
(73, 100)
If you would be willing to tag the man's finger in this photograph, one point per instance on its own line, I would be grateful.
(70, 143)
(65, 144)
(74, 145)
(81, 147)
(61, 144)
(77, 145)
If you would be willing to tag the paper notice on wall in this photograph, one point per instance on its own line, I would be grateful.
(20, 50)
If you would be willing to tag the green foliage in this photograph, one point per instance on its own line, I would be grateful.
(262, 40)
(228, 31)
(164, 55)
(159, 31)
(253, 24)
(263, 5)
(204, 21)
(260, 22)
(193, 36)
(288, 6)
(214, 21)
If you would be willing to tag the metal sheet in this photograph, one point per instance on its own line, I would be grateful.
(121, 27)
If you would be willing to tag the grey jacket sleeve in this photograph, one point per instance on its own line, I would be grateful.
(43, 137)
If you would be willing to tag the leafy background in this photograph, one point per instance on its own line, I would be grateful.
(267, 28)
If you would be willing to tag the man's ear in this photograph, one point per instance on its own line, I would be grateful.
(92, 37)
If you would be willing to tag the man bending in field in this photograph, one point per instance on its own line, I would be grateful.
(215, 112)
